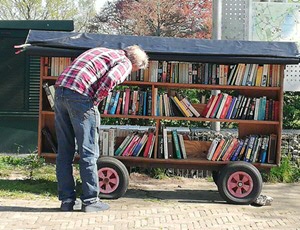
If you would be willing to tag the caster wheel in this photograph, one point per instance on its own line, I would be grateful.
(113, 178)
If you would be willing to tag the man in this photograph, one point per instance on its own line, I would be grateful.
(79, 90)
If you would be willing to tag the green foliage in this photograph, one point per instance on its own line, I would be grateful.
(81, 11)
(287, 172)
(291, 110)
(30, 162)
(158, 173)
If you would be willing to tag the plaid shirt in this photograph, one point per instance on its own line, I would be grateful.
(96, 72)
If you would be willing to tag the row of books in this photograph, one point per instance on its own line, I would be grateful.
(139, 102)
(225, 106)
(137, 144)
(139, 141)
(207, 73)
(128, 102)
(253, 148)
(191, 73)
(221, 106)
(171, 144)
(172, 105)
(54, 66)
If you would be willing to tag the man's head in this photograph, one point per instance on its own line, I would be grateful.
(137, 56)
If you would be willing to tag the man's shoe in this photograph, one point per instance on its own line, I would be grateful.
(94, 207)
(67, 206)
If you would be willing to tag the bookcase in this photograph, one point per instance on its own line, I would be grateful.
(238, 181)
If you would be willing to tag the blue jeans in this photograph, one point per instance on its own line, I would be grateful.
(76, 117)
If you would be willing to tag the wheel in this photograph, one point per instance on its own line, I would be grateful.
(113, 178)
(239, 183)
(215, 176)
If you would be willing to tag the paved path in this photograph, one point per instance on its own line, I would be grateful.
(177, 204)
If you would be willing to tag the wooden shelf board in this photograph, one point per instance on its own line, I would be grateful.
(199, 86)
(193, 163)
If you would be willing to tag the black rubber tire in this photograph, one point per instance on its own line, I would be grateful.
(215, 175)
(122, 174)
(248, 184)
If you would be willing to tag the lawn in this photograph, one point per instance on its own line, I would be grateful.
(28, 177)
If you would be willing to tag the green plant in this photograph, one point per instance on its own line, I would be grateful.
(287, 172)
(291, 110)
(158, 173)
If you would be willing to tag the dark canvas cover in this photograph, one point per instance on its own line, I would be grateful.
(56, 43)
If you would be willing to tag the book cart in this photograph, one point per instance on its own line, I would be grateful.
(239, 181)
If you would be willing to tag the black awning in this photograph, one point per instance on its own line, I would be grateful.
(55, 43)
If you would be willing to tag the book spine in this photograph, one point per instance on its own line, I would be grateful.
(49, 95)
(176, 144)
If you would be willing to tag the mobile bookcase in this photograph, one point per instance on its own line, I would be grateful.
(249, 75)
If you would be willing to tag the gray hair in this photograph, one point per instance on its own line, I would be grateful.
(137, 56)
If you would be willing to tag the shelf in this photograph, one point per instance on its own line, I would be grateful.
(192, 163)
(187, 86)
(198, 119)
(50, 78)
(198, 86)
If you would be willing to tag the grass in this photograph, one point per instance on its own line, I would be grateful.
(28, 177)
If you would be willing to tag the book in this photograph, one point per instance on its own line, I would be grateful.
(122, 146)
(212, 148)
(126, 101)
(46, 132)
(222, 104)
(228, 140)
(182, 146)
(111, 141)
(165, 141)
(107, 103)
(105, 143)
(231, 106)
(226, 107)
(141, 145)
(170, 146)
(235, 154)
(127, 151)
(259, 74)
(256, 150)
(148, 143)
(218, 150)
(249, 148)
(272, 149)
(50, 93)
(185, 112)
(114, 103)
(176, 144)
(264, 149)
(232, 144)
(190, 107)
(236, 106)
(208, 105)
(151, 147)
(217, 105)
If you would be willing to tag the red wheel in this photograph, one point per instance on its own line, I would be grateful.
(113, 178)
(108, 180)
(239, 182)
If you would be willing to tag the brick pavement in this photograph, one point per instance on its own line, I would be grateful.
(180, 204)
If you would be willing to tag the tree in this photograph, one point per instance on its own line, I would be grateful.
(177, 18)
(81, 11)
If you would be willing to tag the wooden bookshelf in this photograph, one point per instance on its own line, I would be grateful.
(245, 127)
(196, 151)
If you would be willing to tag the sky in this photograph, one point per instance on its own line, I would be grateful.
(99, 4)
